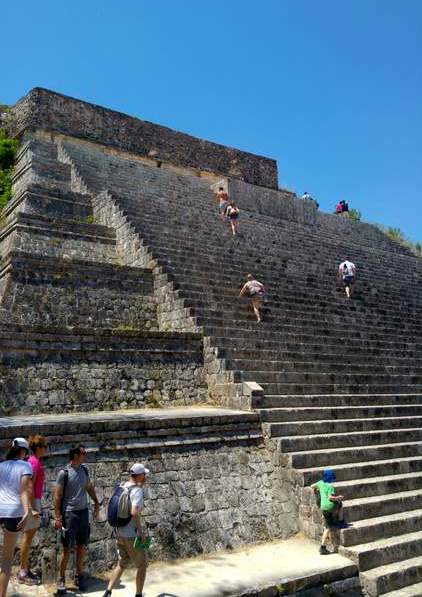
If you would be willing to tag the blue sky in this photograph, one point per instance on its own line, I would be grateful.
(330, 89)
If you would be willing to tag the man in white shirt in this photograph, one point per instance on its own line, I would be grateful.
(126, 535)
(347, 271)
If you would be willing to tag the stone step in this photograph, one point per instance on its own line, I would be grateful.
(324, 366)
(379, 485)
(34, 269)
(355, 455)
(381, 505)
(381, 527)
(274, 377)
(374, 425)
(275, 401)
(337, 413)
(413, 590)
(310, 388)
(303, 443)
(385, 551)
(396, 575)
(54, 203)
(361, 470)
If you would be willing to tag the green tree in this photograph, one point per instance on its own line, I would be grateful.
(355, 215)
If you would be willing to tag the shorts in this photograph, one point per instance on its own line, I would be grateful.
(10, 524)
(76, 523)
(234, 217)
(222, 207)
(331, 516)
(348, 280)
(129, 557)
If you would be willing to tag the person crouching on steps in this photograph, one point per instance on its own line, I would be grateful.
(127, 535)
(256, 292)
(232, 213)
(331, 507)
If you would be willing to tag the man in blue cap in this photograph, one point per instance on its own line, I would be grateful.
(331, 507)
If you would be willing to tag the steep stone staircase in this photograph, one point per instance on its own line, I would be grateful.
(341, 380)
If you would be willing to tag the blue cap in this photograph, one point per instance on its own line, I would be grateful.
(328, 476)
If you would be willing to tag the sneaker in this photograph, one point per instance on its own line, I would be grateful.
(107, 593)
(323, 551)
(342, 525)
(27, 578)
(81, 582)
(61, 587)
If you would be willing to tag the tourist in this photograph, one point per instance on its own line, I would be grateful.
(344, 206)
(134, 532)
(37, 445)
(306, 195)
(15, 503)
(339, 208)
(256, 292)
(223, 200)
(72, 515)
(331, 508)
(232, 213)
(347, 271)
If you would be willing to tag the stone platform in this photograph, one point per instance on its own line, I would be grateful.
(291, 567)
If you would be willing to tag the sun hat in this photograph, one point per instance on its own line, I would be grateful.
(20, 442)
(138, 469)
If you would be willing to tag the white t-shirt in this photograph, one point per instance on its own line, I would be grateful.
(347, 268)
(136, 499)
(11, 473)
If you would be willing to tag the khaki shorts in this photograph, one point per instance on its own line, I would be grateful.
(129, 557)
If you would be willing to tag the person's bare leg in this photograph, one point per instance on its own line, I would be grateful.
(347, 291)
(140, 577)
(233, 225)
(63, 561)
(255, 306)
(9, 542)
(325, 536)
(80, 558)
(25, 547)
(116, 573)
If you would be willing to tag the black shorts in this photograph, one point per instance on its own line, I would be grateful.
(331, 516)
(348, 280)
(10, 524)
(77, 527)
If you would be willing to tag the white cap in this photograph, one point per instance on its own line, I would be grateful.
(138, 469)
(20, 442)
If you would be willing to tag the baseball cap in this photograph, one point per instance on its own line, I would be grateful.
(139, 469)
(20, 442)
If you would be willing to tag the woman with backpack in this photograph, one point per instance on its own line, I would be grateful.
(232, 213)
(256, 292)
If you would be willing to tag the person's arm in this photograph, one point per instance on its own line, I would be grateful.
(57, 501)
(242, 292)
(26, 496)
(92, 494)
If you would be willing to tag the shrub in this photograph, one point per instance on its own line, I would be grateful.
(8, 148)
(354, 215)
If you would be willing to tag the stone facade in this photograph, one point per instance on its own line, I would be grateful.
(58, 113)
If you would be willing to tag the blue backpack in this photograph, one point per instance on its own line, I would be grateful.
(119, 507)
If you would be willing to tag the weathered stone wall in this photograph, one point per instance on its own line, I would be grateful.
(54, 112)
(57, 372)
(203, 495)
